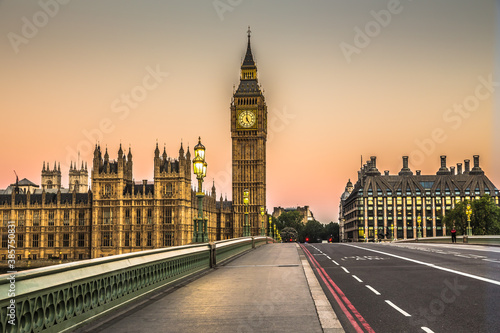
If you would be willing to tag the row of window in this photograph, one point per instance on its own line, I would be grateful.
(34, 256)
(409, 200)
(36, 240)
(107, 216)
(428, 192)
(37, 217)
(109, 190)
(107, 239)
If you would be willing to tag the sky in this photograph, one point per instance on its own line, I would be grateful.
(343, 81)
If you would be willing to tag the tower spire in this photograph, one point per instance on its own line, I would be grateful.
(248, 61)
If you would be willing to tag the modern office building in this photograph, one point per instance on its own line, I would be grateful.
(390, 206)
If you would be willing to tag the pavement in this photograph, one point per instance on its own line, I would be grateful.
(269, 289)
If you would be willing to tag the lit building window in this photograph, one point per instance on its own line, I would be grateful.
(106, 238)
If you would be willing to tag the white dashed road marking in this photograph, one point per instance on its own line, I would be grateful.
(406, 314)
(432, 265)
(372, 289)
(357, 278)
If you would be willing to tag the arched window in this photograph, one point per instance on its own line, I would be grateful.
(169, 190)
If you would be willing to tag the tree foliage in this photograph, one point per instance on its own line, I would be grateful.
(332, 230)
(291, 219)
(485, 218)
(313, 230)
(288, 234)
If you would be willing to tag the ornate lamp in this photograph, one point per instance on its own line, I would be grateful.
(419, 220)
(200, 232)
(262, 229)
(468, 211)
(246, 228)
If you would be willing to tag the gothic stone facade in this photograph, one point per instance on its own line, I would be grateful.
(249, 136)
(116, 216)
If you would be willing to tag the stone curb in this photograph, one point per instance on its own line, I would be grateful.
(327, 317)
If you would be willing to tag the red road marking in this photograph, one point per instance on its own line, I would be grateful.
(329, 283)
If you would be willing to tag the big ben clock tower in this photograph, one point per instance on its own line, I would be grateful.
(249, 135)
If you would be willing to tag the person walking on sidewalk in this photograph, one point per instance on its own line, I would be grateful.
(453, 235)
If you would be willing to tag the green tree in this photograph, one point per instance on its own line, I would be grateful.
(485, 218)
(457, 218)
(313, 230)
(332, 230)
(291, 219)
(288, 233)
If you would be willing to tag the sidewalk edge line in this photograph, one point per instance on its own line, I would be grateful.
(327, 317)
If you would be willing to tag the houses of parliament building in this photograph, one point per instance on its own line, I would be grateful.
(117, 215)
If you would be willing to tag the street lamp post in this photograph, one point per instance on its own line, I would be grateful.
(270, 224)
(246, 228)
(397, 222)
(468, 211)
(262, 229)
(200, 232)
(419, 220)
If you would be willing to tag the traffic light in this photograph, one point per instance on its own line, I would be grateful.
(307, 239)
(330, 240)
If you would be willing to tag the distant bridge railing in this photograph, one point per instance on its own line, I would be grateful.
(473, 240)
(63, 297)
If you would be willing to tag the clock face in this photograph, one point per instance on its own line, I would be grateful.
(247, 118)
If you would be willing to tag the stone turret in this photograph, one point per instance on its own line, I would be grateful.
(51, 179)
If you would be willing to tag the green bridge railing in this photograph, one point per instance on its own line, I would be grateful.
(473, 240)
(63, 297)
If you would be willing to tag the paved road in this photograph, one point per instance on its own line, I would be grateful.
(410, 287)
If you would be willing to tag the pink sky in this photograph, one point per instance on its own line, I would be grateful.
(399, 94)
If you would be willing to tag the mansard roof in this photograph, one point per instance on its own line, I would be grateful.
(389, 185)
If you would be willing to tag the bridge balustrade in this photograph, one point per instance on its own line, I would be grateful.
(63, 297)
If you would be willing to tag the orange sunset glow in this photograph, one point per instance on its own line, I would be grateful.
(342, 80)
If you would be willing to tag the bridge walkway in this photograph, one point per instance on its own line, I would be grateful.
(264, 290)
